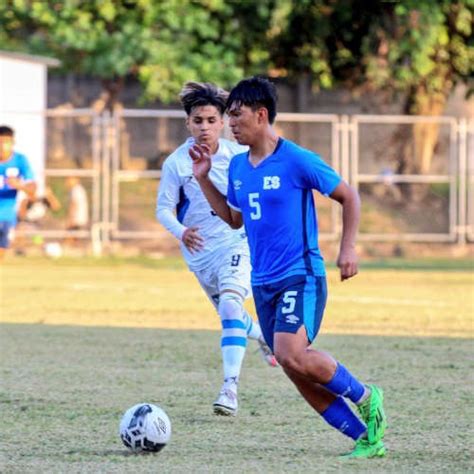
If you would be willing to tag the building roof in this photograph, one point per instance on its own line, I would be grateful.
(30, 58)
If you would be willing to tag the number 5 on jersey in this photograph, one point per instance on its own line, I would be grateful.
(255, 205)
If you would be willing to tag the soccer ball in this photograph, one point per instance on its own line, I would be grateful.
(145, 427)
(53, 249)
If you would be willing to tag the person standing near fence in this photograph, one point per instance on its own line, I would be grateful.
(78, 205)
(270, 191)
(218, 255)
(16, 175)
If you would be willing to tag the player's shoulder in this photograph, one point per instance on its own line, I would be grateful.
(296, 150)
(178, 156)
(230, 148)
(301, 157)
(18, 158)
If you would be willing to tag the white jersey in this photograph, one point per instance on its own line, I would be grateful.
(182, 204)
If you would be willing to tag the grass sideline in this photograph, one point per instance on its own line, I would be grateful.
(82, 340)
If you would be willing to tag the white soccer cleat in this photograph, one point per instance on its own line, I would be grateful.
(226, 403)
(266, 353)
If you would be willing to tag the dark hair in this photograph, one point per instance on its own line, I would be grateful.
(6, 131)
(255, 92)
(198, 94)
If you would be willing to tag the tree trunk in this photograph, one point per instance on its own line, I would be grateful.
(425, 134)
(416, 145)
(108, 99)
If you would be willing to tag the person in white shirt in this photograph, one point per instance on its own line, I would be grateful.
(78, 206)
(215, 253)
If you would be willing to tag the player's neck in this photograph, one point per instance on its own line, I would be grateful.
(263, 147)
(214, 147)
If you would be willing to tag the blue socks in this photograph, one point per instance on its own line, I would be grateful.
(341, 417)
(343, 383)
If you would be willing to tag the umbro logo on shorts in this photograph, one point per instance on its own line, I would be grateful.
(292, 319)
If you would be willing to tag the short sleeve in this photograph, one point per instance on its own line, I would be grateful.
(313, 172)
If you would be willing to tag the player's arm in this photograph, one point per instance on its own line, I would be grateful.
(26, 182)
(201, 156)
(52, 200)
(166, 204)
(348, 197)
(28, 187)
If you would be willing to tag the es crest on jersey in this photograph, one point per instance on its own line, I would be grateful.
(271, 182)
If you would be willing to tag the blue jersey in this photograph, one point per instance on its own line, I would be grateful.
(17, 166)
(277, 206)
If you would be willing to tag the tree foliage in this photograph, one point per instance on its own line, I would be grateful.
(163, 43)
(421, 46)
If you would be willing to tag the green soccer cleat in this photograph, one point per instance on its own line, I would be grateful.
(373, 414)
(364, 450)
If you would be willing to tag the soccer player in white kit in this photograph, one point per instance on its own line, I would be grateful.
(215, 253)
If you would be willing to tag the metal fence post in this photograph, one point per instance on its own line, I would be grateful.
(105, 234)
(462, 172)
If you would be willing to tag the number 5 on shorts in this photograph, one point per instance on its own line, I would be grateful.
(289, 298)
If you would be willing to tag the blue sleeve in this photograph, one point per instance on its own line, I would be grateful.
(315, 173)
(26, 170)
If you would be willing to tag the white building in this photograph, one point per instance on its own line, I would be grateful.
(23, 101)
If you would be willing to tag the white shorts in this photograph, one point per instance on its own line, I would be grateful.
(228, 270)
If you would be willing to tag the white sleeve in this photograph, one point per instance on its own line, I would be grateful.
(168, 198)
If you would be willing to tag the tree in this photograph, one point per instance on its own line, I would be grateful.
(163, 43)
(418, 48)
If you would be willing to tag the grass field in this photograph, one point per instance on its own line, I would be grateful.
(82, 340)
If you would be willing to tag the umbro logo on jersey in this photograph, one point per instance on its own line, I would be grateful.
(237, 184)
(292, 319)
(271, 182)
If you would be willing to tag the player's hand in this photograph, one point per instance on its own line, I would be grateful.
(15, 183)
(201, 156)
(192, 239)
(348, 263)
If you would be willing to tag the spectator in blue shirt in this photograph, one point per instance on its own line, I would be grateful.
(16, 175)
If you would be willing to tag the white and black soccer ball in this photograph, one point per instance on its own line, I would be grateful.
(145, 428)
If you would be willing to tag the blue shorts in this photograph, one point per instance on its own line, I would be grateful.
(287, 304)
(4, 234)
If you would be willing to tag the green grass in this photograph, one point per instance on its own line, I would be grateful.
(68, 371)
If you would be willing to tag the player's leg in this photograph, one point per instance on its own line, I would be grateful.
(233, 345)
(234, 274)
(299, 314)
(5, 228)
(334, 410)
(226, 402)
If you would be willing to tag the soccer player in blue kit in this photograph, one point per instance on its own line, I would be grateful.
(270, 192)
(16, 175)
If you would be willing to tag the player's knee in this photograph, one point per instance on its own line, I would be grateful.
(230, 306)
(301, 364)
(290, 361)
